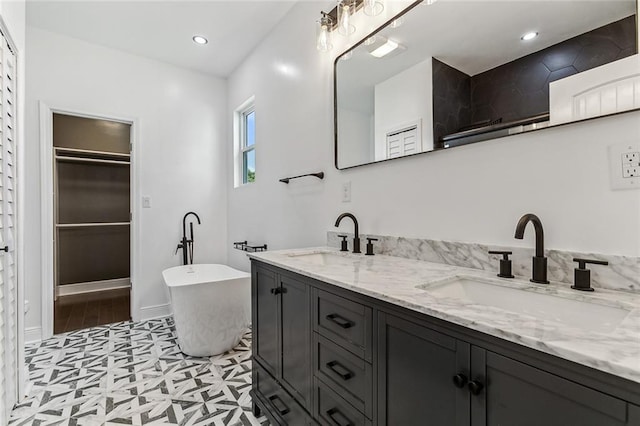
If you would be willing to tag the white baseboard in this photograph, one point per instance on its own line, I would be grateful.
(32, 335)
(89, 287)
(155, 311)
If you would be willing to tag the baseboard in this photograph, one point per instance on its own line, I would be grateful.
(32, 335)
(89, 287)
(155, 311)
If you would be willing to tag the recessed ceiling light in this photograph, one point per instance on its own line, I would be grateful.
(200, 40)
(529, 36)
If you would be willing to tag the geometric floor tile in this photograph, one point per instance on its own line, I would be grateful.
(133, 373)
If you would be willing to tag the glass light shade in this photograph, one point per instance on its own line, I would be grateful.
(323, 34)
(372, 7)
(346, 8)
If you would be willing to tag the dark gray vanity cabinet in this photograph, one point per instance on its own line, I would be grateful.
(282, 345)
(416, 367)
(520, 395)
(326, 355)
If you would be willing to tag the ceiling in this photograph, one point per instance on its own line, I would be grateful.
(163, 30)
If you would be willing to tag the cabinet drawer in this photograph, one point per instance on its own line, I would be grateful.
(350, 376)
(345, 322)
(278, 402)
(333, 410)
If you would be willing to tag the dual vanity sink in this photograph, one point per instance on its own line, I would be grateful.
(556, 306)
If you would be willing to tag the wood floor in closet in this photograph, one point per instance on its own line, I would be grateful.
(80, 311)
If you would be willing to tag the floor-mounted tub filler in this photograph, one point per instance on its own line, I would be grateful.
(211, 307)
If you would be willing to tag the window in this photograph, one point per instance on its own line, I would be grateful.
(245, 142)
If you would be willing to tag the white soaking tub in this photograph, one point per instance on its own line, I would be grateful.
(211, 307)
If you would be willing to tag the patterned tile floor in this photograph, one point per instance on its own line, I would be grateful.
(133, 373)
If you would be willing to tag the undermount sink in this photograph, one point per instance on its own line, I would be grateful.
(322, 258)
(576, 313)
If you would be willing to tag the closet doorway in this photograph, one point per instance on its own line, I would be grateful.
(92, 222)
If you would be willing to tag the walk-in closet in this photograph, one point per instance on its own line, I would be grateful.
(92, 214)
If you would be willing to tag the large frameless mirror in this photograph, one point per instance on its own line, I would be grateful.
(451, 72)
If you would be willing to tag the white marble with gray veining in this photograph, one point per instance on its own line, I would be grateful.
(622, 273)
(398, 280)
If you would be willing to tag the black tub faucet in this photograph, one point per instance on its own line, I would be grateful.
(539, 261)
(356, 237)
(187, 244)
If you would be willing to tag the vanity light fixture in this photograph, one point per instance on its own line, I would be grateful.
(529, 36)
(372, 7)
(198, 39)
(346, 8)
(323, 33)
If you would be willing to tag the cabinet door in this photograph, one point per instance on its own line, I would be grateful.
(416, 369)
(516, 394)
(296, 339)
(265, 305)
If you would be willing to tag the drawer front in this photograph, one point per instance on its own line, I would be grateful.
(350, 376)
(333, 410)
(278, 402)
(345, 322)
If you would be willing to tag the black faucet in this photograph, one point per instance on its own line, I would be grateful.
(356, 237)
(539, 261)
(187, 244)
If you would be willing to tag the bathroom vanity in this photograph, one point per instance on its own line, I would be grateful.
(341, 339)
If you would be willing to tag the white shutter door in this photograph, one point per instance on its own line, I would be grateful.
(8, 291)
(402, 143)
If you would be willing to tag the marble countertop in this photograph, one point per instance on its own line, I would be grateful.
(410, 283)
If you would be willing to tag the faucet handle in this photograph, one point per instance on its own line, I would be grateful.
(370, 246)
(343, 243)
(178, 248)
(582, 275)
(505, 263)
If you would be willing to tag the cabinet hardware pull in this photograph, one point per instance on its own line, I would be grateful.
(342, 322)
(334, 366)
(475, 387)
(275, 290)
(282, 411)
(460, 380)
(333, 413)
(5, 249)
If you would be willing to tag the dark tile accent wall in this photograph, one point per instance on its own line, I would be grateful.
(520, 89)
(451, 100)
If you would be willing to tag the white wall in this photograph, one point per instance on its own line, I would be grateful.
(473, 193)
(401, 100)
(181, 134)
(356, 129)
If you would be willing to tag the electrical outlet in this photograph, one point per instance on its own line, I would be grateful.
(630, 172)
(624, 166)
(631, 158)
(346, 192)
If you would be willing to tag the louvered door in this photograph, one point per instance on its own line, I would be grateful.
(8, 290)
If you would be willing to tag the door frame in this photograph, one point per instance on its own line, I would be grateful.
(47, 209)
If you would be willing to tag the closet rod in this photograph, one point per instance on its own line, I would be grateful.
(91, 160)
(88, 151)
(87, 225)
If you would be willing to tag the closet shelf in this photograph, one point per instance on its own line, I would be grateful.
(90, 160)
(88, 225)
(88, 152)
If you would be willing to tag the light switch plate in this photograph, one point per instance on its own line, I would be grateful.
(346, 192)
(146, 202)
(624, 165)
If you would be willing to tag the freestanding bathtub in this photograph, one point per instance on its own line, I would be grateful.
(211, 307)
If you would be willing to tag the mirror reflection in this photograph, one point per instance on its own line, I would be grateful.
(456, 72)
